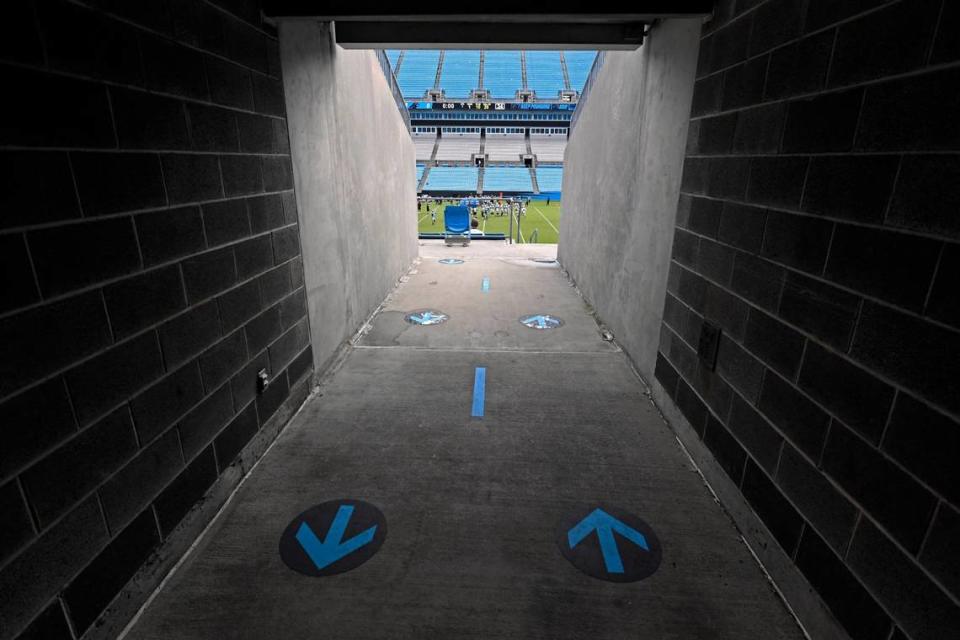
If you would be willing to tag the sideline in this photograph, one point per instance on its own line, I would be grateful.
(546, 219)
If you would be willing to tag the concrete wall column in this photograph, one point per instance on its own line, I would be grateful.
(622, 180)
(354, 174)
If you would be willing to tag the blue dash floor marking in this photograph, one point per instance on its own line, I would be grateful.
(479, 382)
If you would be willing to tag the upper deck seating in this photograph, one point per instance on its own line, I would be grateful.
(418, 72)
(544, 74)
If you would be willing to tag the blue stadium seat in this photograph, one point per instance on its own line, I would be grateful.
(544, 73)
(549, 178)
(460, 74)
(456, 225)
(452, 179)
(501, 73)
(418, 72)
(506, 179)
(579, 64)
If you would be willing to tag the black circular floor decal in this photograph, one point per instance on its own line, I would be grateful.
(426, 317)
(333, 537)
(541, 321)
(610, 544)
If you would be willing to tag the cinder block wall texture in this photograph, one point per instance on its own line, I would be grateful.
(150, 267)
(818, 227)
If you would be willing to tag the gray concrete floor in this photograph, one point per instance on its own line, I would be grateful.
(473, 505)
(487, 249)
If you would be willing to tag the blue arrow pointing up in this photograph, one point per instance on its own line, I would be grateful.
(427, 317)
(332, 549)
(540, 321)
(605, 525)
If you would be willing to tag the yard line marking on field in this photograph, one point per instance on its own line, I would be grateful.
(545, 218)
(422, 218)
(479, 382)
(519, 232)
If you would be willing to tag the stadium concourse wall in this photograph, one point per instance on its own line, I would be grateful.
(354, 173)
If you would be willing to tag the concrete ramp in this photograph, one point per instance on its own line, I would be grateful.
(485, 300)
(477, 508)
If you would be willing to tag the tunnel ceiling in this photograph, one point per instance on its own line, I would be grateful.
(505, 25)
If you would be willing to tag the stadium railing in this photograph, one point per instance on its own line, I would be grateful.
(394, 87)
(594, 70)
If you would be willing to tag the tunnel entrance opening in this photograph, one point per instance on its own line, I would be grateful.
(489, 128)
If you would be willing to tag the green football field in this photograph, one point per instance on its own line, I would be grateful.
(540, 225)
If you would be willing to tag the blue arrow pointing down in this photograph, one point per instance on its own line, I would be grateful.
(605, 525)
(332, 549)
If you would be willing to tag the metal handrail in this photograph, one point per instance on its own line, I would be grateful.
(394, 87)
(594, 71)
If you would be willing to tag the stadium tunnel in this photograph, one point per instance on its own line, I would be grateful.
(208, 200)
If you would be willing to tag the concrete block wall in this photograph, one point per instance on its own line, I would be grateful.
(151, 266)
(817, 227)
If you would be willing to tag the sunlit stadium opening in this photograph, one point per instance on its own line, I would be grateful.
(490, 128)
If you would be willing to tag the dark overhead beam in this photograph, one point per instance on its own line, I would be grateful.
(465, 35)
(496, 11)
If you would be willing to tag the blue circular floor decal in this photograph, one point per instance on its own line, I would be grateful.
(451, 261)
(610, 544)
(426, 317)
(541, 321)
(333, 537)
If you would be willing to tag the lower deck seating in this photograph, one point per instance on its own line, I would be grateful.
(452, 179)
(549, 178)
(506, 179)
